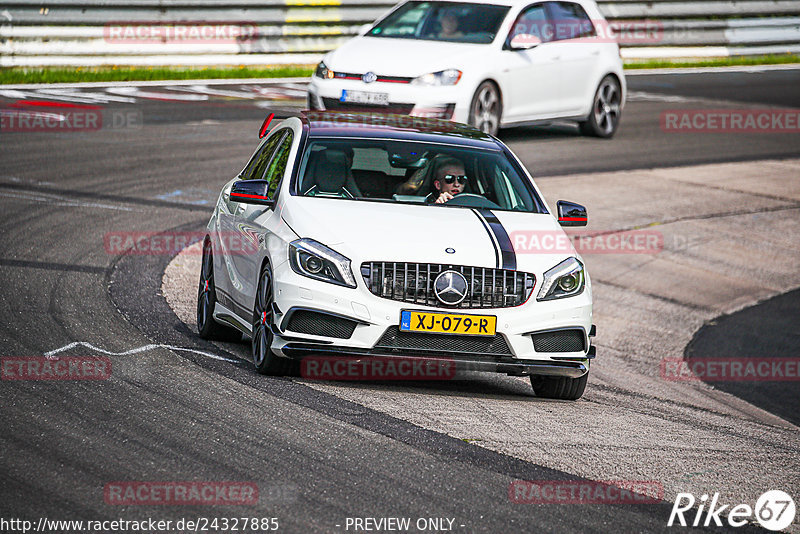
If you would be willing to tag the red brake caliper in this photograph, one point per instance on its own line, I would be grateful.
(205, 287)
(264, 317)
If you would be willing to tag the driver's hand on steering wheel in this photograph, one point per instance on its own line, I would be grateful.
(444, 197)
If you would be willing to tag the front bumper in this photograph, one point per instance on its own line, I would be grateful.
(509, 366)
(359, 323)
(449, 102)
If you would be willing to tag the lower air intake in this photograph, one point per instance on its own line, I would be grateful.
(320, 324)
(396, 341)
(559, 341)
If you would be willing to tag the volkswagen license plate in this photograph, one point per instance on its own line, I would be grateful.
(364, 97)
(447, 323)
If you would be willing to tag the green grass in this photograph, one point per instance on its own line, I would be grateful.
(714, 62)
(124, 74)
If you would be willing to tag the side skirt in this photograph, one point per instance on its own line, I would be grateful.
(224, 315)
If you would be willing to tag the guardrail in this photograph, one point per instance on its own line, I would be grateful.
(268, 32)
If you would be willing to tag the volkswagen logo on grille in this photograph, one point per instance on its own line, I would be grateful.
(369, 77)
(450, 287)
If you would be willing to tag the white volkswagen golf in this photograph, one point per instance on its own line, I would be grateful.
(391, 236)
(490, 64)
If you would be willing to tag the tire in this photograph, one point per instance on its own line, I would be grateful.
(266, 361)
(311, 103)
(559, 387)
(603, 119)
(486, 108)
(207, 326)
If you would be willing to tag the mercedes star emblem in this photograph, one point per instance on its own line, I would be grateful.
(450, 287)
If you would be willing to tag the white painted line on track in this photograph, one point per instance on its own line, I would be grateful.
(205, 90)
(57, 200)
(84, 97)
(136, 92)
(182, 93)
(13, 93)
(282, 91)
(68, 96)
(160, 83)
(137, 350)
(711, 70)
(643, 96)
(43, 115)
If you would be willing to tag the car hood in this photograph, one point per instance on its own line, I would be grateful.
(377, 231)
(400, 57)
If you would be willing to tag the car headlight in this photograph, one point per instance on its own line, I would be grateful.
(443, 77)
(323, 71)
(314, 260)
(564, 280)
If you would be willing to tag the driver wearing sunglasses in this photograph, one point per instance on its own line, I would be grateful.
(450, 180)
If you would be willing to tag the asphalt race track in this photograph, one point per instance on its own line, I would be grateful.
(177, 408)
(767, 328)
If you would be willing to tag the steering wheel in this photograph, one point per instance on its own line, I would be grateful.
(470, 200)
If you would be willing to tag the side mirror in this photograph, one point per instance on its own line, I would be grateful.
(524, 41)
(251, 192)
(571, 214)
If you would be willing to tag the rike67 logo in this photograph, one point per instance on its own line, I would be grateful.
(774, 510)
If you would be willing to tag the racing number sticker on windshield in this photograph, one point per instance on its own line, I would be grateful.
(448, 323)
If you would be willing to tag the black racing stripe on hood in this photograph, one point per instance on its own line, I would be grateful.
(492, 239)
(506, 247)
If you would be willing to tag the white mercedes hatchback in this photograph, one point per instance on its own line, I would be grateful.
(490, 64)
(389, 236)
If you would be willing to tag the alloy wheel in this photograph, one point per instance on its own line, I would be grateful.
(485, 112)
(607, 106)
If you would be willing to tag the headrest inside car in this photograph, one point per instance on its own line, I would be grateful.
(328, 170)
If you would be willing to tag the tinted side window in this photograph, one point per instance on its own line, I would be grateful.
(532, 21)
(255, 169)
(570, 21)
(277, 166)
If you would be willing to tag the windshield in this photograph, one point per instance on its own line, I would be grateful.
(442, 21)
(406, 172)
